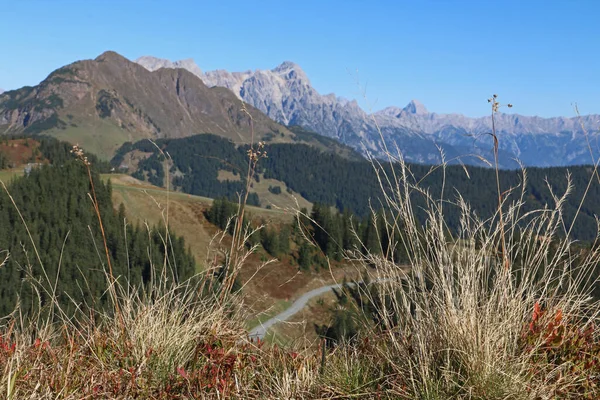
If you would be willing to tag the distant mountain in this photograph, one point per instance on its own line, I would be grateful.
(152, 64)
(105, 102)
(1, 91)
(286, 95)
(535, 141)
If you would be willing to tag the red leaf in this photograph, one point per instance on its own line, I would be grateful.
(537, 311)
(182, 372)
(558, 316)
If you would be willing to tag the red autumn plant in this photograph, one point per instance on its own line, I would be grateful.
(562, 349)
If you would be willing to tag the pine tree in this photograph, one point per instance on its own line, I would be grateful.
(305, 256)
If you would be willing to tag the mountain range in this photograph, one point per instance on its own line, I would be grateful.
(105, 102)
(286, 95)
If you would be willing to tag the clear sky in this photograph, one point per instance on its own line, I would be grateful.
(542, 56)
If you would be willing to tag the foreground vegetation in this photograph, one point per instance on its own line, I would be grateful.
(499, 307)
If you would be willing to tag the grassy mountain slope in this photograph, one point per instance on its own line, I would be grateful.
(147, 206)
(186, 215)
(145, 202)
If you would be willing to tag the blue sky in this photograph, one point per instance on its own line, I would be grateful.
(451, 55)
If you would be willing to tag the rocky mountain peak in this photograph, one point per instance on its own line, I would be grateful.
(415, 107)
(190, 65)
(290, 70)
(286, 66)
(154, 63)
(286, 95)
(110, 56)
(392, 111)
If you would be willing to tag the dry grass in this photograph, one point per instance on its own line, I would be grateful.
(454, 326)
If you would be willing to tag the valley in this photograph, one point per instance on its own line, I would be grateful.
(148, 205)
(186, 217)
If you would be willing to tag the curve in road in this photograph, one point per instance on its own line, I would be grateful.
(261, 330)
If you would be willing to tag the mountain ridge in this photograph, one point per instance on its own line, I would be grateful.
(285, 94)
(109, 100)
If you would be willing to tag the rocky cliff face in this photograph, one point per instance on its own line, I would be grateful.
(286, 95)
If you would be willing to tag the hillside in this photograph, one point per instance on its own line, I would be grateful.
(54, 204)
(138, 206)
(353, 185)
(15, 153)
(146, 202)
(187, 216)
(182, 343)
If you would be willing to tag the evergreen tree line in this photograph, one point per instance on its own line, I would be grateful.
(200, 158)
(333, 232)
(221, 213)
(58, 152)
(336, 232)
(275, 241)
(327, 178)
(55, 205)
(353, 185)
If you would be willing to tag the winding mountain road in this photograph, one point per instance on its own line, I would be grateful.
(261, 330)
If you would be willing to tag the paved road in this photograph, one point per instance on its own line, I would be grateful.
(261, 330)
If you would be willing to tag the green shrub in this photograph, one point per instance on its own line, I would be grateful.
(275, 189)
